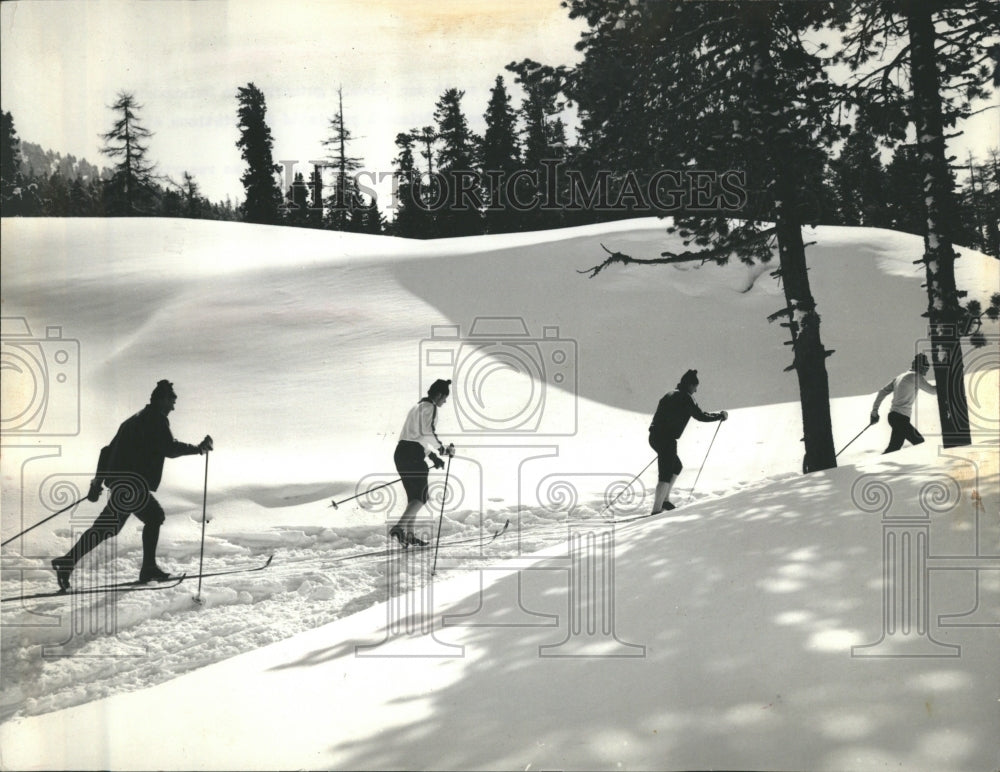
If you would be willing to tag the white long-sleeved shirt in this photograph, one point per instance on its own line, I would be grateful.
(904, 392)
(420, 426)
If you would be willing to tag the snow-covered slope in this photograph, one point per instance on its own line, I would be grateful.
(300, 352)
(736, 640)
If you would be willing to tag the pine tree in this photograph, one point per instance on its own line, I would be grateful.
(543, 140)
(409, 217)
(10, 149)
(297, 202)
(625, 125)
(171, 202)
(427, 137)
(978, 212)
(78, 203)
(431, 194)
(263, 196)
(460, 213)
(991, 205)
(904, 204)
(57, 196)
(859, 181)
(130, 189)
(942, 67)
(10, 164)
(95, 195)
(194, 203)
(542, 87)
(745, 94)
(500, 159)
(346, 208)
(315, 217)
(373, 222)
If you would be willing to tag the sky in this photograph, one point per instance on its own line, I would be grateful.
(63, 63)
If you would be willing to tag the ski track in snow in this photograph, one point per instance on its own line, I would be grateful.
(313, 580)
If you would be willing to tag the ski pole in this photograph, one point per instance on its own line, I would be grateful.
(608, 506)
(444, 496)
(204, 516)
(698, 477)
(54, 514)
(335, 504)
(855, 437)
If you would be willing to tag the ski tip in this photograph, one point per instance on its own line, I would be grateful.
(269, 559)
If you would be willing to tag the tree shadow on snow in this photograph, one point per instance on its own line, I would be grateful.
(747, 617)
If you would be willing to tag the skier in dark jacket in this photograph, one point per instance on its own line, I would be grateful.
(418, 438)
(131, 466)
(672, 415)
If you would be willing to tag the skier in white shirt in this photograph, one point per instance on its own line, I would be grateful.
(417, 439)
(904, 393)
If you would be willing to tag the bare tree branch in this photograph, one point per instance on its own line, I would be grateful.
(719, 253)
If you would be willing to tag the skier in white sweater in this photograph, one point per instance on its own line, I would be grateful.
(904, 393)
(418, 439)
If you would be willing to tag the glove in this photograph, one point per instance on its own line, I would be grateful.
(96, 487)
(874, 418)
(205, 444)
(450, 450)
(438, 463)
(724, 414)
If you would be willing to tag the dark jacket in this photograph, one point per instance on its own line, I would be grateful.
(673, 413)
(140, 447)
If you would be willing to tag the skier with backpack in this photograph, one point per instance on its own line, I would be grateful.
(131, 466)
(673, 412)
(418, 438)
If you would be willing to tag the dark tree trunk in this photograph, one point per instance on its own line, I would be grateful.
(944, 312)
(809, 354)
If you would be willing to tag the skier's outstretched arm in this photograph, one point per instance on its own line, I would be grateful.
(174, 448)
(884, 392)
(700, 415)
